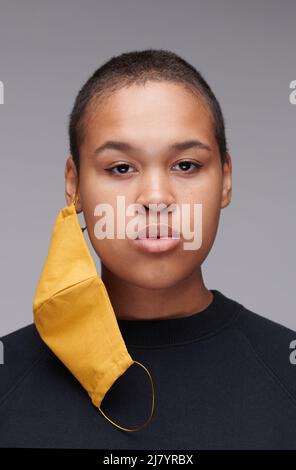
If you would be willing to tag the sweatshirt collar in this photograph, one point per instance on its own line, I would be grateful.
(172, 331)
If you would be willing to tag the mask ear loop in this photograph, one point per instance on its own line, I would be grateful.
(74, 201)
(152, 407)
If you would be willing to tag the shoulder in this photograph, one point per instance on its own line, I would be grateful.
(273, 344)
(21, 351)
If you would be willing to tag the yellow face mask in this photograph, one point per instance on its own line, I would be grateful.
(74, 316)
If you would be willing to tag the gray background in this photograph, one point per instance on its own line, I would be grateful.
(246, 51)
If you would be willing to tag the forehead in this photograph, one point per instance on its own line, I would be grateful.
(159, 111)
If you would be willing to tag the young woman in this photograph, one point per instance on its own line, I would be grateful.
(147, 127)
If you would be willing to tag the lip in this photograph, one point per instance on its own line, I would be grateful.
(168, 239)
(157, 245)
(161, 231)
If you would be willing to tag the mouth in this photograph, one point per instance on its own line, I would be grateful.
(157, 238)
(160, 231)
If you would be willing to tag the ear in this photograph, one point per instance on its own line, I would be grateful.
(227, 182)
(71, 183)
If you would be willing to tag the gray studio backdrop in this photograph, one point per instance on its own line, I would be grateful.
(246, 50)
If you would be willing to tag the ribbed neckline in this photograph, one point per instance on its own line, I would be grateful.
(162, 332)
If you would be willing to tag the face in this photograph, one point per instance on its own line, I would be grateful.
(151, 169)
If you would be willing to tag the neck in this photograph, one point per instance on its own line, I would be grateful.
(131, 302)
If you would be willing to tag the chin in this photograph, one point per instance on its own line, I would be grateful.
(153, 280)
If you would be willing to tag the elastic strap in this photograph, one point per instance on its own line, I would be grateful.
(152, 407)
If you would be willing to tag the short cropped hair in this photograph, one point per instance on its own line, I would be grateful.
(138, 67)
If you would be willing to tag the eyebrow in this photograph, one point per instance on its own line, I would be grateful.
(126, 147)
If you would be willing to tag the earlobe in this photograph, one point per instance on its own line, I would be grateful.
(226, 199)
(73, 198)
(227, 192)
(227, 182)
(72, 185)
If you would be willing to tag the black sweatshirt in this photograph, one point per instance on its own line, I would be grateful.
(223, 378)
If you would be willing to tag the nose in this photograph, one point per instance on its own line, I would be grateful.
(155, 189)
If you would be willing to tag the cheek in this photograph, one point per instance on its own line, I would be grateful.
(208, 194)
(211, 210)
(112, 253)
(95, 187)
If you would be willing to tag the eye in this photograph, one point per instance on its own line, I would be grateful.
(122, 169)
(185, 165)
